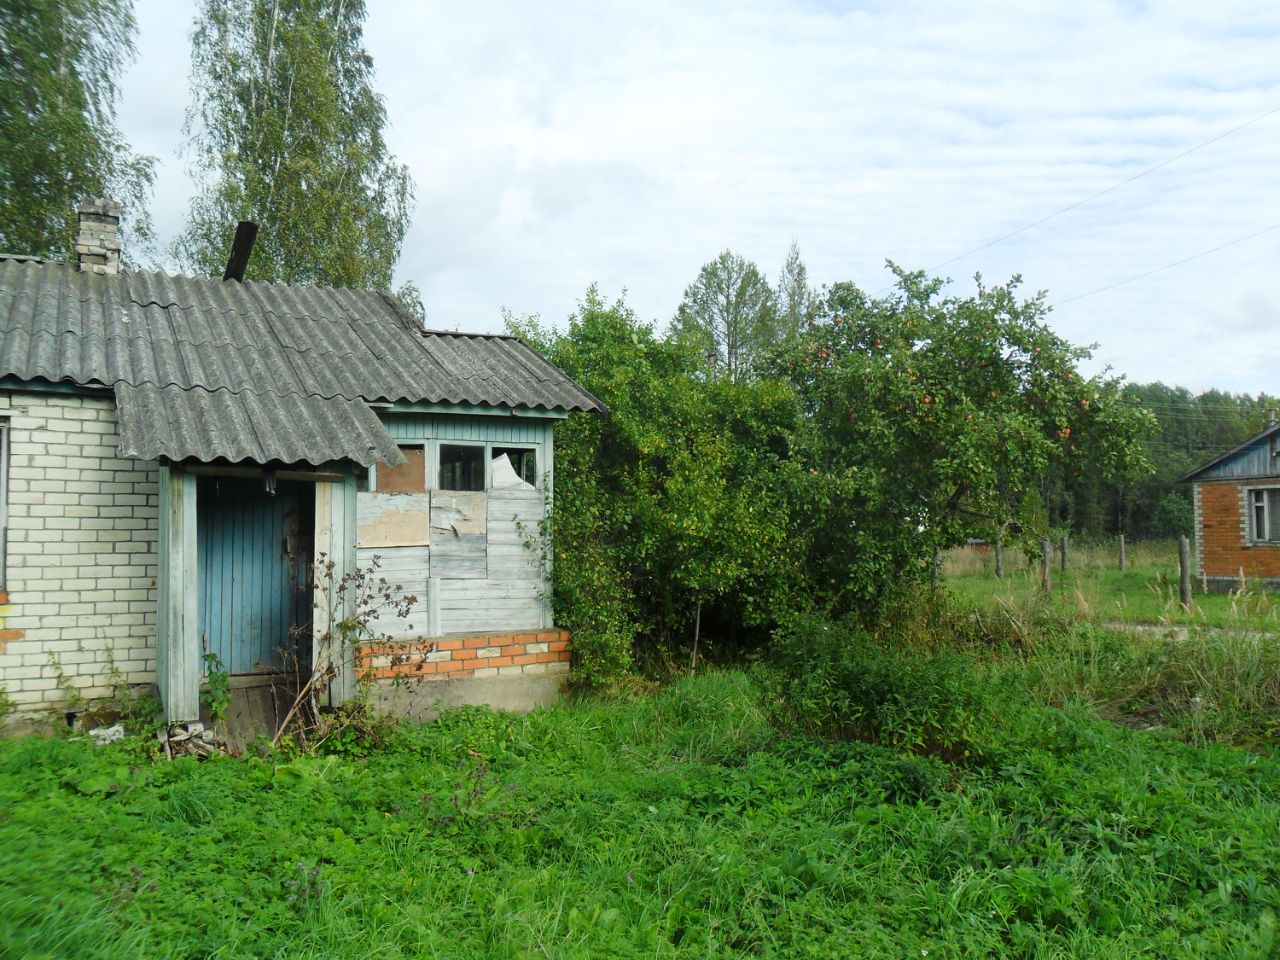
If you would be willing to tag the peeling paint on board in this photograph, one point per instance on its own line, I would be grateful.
(459, 514)
(393, 520)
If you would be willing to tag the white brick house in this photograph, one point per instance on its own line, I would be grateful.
(177, 454)
(82, 524)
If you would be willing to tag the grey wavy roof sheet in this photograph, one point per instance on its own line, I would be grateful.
(277, 349)
(208, 425)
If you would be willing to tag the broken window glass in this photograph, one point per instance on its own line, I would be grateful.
(521, 466)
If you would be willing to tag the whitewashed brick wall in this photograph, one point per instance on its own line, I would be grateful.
(83, 525)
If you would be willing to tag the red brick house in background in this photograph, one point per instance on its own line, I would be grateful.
(1237, 514)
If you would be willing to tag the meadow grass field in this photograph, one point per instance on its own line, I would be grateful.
(1083, 796)
(1093, 587)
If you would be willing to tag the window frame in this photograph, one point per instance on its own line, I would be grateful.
(1261, 498)
(431, 461)
(422, 445)
(537, 454)
(485, 481)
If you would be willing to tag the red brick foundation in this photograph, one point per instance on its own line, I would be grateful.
(458, 656)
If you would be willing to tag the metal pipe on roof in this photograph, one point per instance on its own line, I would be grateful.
(241, 247)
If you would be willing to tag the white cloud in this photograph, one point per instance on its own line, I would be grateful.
(559, 144)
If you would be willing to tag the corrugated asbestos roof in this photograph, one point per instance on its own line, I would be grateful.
(255, 371)
(157, 421)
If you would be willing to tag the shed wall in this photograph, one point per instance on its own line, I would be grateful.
(83, 524)
(1223, 548)
(470, 565)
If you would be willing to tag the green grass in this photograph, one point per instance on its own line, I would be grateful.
(1094, 588)
(687, 823)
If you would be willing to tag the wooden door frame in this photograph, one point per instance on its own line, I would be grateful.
(178, 664)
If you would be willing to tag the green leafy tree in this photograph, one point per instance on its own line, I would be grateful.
(932, 418)
(60, 142)
(728, 315)
(673, 508)
(287, 130)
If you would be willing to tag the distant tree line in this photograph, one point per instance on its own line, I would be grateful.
(1190, 429)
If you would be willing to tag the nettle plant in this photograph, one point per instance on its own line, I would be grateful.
(352, 604)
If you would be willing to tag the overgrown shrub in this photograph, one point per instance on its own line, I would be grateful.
(840, 682)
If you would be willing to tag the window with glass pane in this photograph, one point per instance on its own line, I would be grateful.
(461, 467)
(523, 461)
(1265, 506)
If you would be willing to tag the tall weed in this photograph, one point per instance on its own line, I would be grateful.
(840, 682)
(1208, 686)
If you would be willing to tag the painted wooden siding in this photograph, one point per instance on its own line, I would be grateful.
(459, 535)
(178, 644)
(335, 543)
(478, 573)
(410, 426)
(513, 596)
(1255, 460)
(407, 571)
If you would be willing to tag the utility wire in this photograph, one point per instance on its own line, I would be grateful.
(1167, 266)
(1104, 192)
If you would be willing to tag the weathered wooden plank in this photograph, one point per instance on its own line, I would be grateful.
(491, 608)
(450, 567)
(479, 590)
(407, 560)
(527, 619)
(514, 569)
(459, 524)
(178, 642)
(416, 624)
(336, 516)
(393, 519)
(523, 499)
(512, 553)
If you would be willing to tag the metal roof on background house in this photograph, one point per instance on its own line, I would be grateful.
(210, 369)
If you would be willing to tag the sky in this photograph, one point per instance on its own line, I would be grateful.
(555, 145)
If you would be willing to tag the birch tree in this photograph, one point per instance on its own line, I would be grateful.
(287, 130)
(797, 301)
(61, 62)
(728, 314)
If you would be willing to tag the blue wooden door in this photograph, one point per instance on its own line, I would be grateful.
(255, 571)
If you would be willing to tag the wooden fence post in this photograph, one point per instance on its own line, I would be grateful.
(1122, 553)
(1184, 573)
(1046, 567)
(999, 557)
(1063, 549)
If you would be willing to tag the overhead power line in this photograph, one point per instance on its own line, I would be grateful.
(1104, 192)
(1167, 266)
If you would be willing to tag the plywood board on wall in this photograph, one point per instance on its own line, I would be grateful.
(393, 520)
(458, 514)
(459, 535)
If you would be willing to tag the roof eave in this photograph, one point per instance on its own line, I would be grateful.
(1196, 473)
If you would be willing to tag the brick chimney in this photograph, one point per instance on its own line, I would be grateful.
(98, 242)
